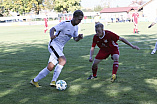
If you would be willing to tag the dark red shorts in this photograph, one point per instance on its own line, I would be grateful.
(135, 22)
(46, 25)
(104, 53)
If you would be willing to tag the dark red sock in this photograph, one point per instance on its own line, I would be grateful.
(45, 30)
(115, 67)
(134, 30)
(94, 70)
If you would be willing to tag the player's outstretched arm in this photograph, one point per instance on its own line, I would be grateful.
(128, 43)
(151, 25)
(79, 37)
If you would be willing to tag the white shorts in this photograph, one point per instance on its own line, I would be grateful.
(55, 53)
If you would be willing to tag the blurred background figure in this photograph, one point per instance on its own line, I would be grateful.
(135, 16)
(46, 24)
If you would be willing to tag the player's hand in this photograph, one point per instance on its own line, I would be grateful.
(136, 47)
(53, 36)
(80, 36)
(149, 26)
(90, 59)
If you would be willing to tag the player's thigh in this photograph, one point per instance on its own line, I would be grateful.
(57, 54)
(56, 50)
(53, 60)
(102, 55)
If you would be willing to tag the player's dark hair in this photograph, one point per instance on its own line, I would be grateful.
(99, 25)
(78, 13)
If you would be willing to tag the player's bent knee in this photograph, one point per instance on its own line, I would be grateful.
(50, 66)
(63, 62)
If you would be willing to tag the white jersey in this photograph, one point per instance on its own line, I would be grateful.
(155, 20)
(65, 30)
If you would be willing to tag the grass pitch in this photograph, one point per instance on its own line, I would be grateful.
(23, 53)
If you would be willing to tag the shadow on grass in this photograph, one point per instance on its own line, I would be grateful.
(136, 83)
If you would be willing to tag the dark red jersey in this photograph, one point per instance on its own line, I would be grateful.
(108, 41)
(135, 16)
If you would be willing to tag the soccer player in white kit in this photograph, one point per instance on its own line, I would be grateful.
(152, 24)
(64, 32)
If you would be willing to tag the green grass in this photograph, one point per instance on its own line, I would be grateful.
(23, 53)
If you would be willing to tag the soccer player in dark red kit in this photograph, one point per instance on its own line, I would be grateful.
(106, 41)
(46, 24)
(135, 20)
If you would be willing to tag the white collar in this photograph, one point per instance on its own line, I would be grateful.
(103, 35)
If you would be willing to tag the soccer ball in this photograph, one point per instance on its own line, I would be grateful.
(61, 85)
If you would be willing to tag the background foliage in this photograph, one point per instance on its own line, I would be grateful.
(25, 6)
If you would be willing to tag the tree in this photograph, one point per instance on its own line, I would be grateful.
(1, 9)
(66, 5)
(98, 8)
(25, 6)
(87, 10)
(140, 2)
(49, 5)
(38, 6)
(21, 6)
(105, 3)
(6, 5)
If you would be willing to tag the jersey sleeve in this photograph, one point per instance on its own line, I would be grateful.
(114, 36)
(94, 41)
(60, 26)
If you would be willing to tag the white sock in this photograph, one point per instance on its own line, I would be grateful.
(43, 73)
(57, 71)
(155, 46)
